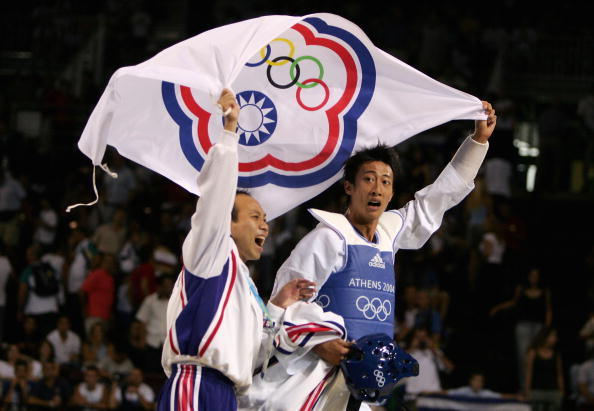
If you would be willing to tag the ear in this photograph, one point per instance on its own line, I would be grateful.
(348, 187)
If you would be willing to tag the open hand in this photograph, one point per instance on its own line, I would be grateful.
(293, 291)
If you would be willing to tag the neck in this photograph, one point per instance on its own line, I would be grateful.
(366, 228)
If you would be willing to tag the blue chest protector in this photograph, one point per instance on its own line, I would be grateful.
(363, 291)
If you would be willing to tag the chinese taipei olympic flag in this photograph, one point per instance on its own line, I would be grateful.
(312, 90)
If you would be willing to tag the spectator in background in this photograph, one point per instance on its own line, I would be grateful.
(51, 391)
(476, 389)
(39, 291)
(47, 223)
(12, 195)
(15, 392)
(427, 317)
(46, 352)
(124, 309)
(159, 261)
(83, 257)
(90, 394)
(30, 337)
(133, 393)
(431, 361)
(545, 385)
(66, 343)
(152, 314)
(116, 365)
(5, 273)
(130, 255)
(99, 292)
(534, 310)
(585, 382)
(492, 279)
(94, 349)
(119, 191)
(137, 346)
(406, 312)
(587, 333)
(13, 356)
(109, 238)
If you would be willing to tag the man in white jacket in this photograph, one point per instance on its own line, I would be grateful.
(218, 328)
(350, 257)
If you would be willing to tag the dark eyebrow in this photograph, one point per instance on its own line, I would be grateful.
(375, 172)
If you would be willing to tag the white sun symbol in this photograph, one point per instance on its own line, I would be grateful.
(255, 120)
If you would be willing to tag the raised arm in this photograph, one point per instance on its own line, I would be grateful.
(423, 215)
(211, 223)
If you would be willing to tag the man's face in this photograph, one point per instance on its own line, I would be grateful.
(50, 370)
(250, 228)
(91, 377)
(477, 382)
(63, 324)
(371, 192)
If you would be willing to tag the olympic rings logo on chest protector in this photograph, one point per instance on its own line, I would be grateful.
(294, 72)
(323, 301)
(374, 308)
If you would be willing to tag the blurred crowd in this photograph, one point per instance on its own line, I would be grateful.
(83, 295)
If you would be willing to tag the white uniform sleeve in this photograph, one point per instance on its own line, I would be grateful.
(206, 246)
(320, 253)
(423, 215)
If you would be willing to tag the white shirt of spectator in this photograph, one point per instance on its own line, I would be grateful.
(143, 389)
(64, 349)
(112, 367)
(586, 376)
(11, 194)
(498, 173)
(153, 313)
(469, 392)
(37, 304)
(5, 270)
(428, 378)
(44, 235)
(7, 370)
(91, 396)
(78, 269)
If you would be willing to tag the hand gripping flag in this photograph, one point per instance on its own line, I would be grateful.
(312, 90)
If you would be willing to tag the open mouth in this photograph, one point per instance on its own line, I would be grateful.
(260, 241)
(374, 203)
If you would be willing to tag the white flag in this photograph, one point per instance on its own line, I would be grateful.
(312, 90)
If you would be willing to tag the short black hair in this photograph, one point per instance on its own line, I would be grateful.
(234, 211)
(380, 152)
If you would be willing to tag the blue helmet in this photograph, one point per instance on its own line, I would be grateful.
(374, 366)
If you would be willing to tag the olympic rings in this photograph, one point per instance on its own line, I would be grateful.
(319, 106)
(296, 64)
(323, 301)
(379, 377)
(375, 308)
(268, 51)
(279, 85)
(294, 72)
(274, 62)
